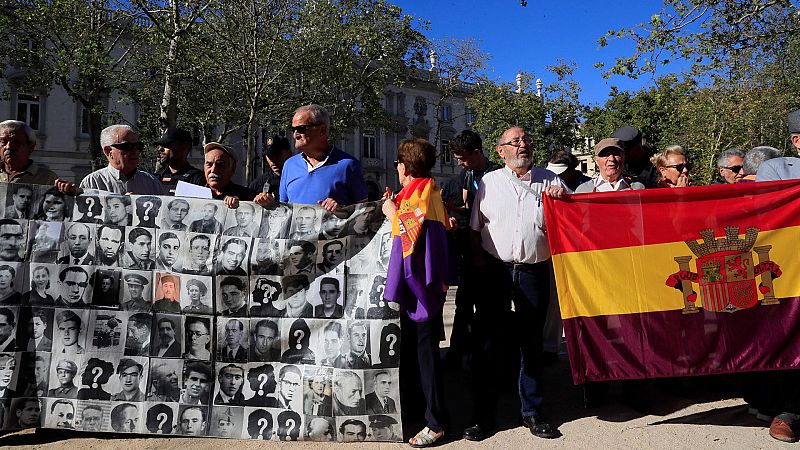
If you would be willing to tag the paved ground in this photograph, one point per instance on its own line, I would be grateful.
(689, 414)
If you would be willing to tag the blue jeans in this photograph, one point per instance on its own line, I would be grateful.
(528, 287)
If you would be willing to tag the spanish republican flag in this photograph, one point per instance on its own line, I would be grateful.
(419, 261)
(677, 282)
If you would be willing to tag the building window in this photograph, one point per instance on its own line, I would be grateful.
(447, 113)
(470, 116)
(84, 125)
(447, 156)
(28, 109)
(584, 166)
(369, 149)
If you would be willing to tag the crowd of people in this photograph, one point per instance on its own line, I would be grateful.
(493, 215)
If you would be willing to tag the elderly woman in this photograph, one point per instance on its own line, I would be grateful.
(417, 272)
(673, 170)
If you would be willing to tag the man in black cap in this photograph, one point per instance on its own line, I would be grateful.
(637, 161)
(786, 168)
(382, 427)
(276, 153)
(173, 149)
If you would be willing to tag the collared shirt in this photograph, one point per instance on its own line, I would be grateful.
(167, 224)
(162, 350)
(225, 398)
(7, 342)
(510, 219)
(112, 180)
(600, 184)
(138, 396)
(235, 190)
(33, 174)
(338, 176)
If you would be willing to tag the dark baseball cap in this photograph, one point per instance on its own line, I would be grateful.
(174, 135)
(628, 135)
(793, 121)
(277, 146)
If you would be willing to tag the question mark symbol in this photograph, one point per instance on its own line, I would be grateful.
(263, 423)
(263, 379)
(290, 424)
(90, 207)
(97, 371)
(148, 206)
(301, 334)
(392, 339)
(162, 419)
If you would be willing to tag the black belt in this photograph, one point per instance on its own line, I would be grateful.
(522, 267)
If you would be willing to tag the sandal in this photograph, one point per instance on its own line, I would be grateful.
(425, 438)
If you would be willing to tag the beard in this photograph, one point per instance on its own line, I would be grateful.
(519, 163)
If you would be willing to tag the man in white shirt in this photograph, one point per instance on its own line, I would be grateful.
(609, 155)
(511, 249)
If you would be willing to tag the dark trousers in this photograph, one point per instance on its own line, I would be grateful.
(528, 286)
(420, 343)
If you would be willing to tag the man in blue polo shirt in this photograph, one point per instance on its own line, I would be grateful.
(320, 173)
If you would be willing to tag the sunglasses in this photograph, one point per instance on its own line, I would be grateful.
(129, 146)
(397, 162)
(734, 169)
(680, 167)
(303, 128)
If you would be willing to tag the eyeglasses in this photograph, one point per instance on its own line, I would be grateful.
(303, 128)
(734, 169)
(195, 333)
(687, 166)
(518, 142)
(126, 147)
(397, 162)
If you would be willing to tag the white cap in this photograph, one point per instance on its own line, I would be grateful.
(556, 168)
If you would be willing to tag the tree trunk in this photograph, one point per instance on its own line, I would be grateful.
(169, 102)
(249, 146)
(95, 127)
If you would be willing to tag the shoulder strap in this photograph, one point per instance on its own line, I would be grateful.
(527, 187)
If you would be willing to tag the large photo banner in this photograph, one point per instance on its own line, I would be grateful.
(678, 282)
(171, 315)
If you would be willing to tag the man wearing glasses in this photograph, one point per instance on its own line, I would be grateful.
(321, 173)
(74, 281)
(511, 249)
(729, 164)
(122, 147)
(786, 168)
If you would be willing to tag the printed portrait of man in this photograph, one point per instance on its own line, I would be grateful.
(79, 239)
(332, 344)
(20, 206)
(332, 257)
(176, 211)
(300, 258)
(169, 245)
(382, 428)
(231, 381)
(226, 422)
(73, 284)
(169, 286)
(62, 414)
(275, 221)
(231, 256)
(137, 341)
(198, 337)
(380, 400)
(208, 223)
(92, 418)
(65, 376)
(117, 210)
(320, 429)
(233, 293)
(294, 291)
(44, 243)
(167, 335)
(358, 357)
(266, 258)
(353, 430)
(198, 260)
(147, 207)
(244, 216)
(12, 240)
(125, 418)
(266, 341)
(135, 285)
(196, 383)
(305, 224)
(334, 225)
(38, 324)
(140, 247)
(8, 328)
(130, 374)
(329, 294)
(109, 245)
(232, 341)
(164, 381)
(106, 288)
(290, 388)
(348, 394)
(192, 421)
(25, 413)
(69, 333)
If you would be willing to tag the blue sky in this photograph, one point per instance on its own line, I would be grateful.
(533, 37)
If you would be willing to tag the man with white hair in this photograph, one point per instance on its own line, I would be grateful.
(787, 167)
(17, 142)
(730, 164)
(122, 147)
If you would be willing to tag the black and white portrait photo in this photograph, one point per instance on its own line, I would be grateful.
(348, 393)
(306, 223)
(38, 331)
(117, 210)
(329, 344)
(289, 425)
(243, 221)
(232, 296)
(207, 217)
(265, 340)
(320, 429)
(197, 383)
(173, 215)
(13, 240)
(196, 296)
(146, 210)
(20, 201)
(267, 257)
(44, 238)
(301, 257)
(63, 370)
(192, 420)
(23, 412)
(266, 296)
(289, 394)
(165, 381)
(78, 247)
(259, 424)
(105, 288)
(95, 377)
(43, 284)
(88, 209)
(226, 422)
(197, 255)
(326, 295)
(136, 290)
(385, 342)
(356, 348)
(12, 282)
(276, 220)
(298, 336)
(232, 256)
(167, 336)
(318, 391)
(54, 206)
(229, 383)
(358, 286)
(366, 219)
(139, 254)
(137, 338)
(9, 316)
(126, 417)
(131, 376)
(107, 330)
(74, 289)
(110, 245)
(295, 293)
(197, 344)
(93, 416)
(334, 224)
(232, 339)
(331, 256)
(160, 418)
(61, 413)
(261, 385)
(362, 254)
(168, 250)
(383, 391)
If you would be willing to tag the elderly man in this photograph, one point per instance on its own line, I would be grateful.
(130, 372)
(275, 155)
(168, 345)
(636, 160)
(321, 174)
(65, 373)
(219, 167)
(754, 158)
(92, 418)
(121, 146)
(348, 398)
(173, 150)
(17, 142)
(511, 250)
(609, 155)
(786, 168)
(380, 401)
(163, 383)
(730, 164)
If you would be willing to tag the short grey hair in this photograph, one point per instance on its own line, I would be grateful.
(17, 125)
(756, 156)
(108, 134)
(318, 114)
(501, 139)
(722, 159)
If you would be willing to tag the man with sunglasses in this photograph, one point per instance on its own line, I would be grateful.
(786, 168)
(321, 173)
(122, 147)
(729, 164)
